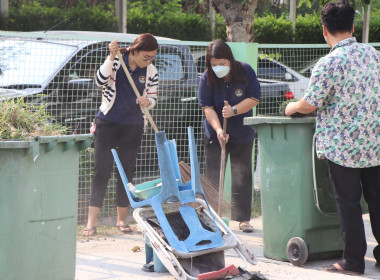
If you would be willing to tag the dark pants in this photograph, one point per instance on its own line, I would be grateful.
(126, 139)
(241, 175)
(349, 183)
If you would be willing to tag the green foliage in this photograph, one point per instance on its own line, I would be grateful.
(359, 31)
(270, 29)
(308, 30)
(270, 56)
(374, 30)
(283, 105)
(21, 121)
(220, 28)
(307, 2)
(256, 203)
(192, 27)
(157, 6)
(166, 18)
(35, 17)
(90, 19)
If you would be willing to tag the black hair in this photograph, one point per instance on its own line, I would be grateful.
(338, 16)
(219, 49)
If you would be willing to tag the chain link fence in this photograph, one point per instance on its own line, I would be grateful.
(57, 70)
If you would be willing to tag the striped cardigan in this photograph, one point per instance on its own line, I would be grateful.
(106, 78)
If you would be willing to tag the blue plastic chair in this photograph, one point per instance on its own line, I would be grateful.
(199, 238)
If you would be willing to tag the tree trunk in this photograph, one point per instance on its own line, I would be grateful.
(239, 16)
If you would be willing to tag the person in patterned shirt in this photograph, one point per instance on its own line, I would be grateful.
(345, 90)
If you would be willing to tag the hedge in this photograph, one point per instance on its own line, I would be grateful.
(183, 26)
(309, 30)
(173, 25)
(270, 29)
(34, 17)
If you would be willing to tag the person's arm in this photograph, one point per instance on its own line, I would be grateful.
(114, 47)
(242, 107)
(104, 72)
(299, 107)
(323, 79)
(253, 94)
(151, 86)
(213, 119)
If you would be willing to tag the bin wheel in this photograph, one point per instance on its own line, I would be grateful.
(297, 251)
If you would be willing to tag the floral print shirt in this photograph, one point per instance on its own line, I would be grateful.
(345, 86)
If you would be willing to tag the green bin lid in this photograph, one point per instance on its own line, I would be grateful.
(258, 120)
(83, 141)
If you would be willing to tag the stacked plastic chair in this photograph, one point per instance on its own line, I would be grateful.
(200, 241)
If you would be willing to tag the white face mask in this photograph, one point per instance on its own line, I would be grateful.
(221, 71)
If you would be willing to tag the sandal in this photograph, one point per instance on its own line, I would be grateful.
(89, 231)
(124, 228)
(245, 227)
(337, 268)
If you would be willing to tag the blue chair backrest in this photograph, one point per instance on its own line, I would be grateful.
(199, 238)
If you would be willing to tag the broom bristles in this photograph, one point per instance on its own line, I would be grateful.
(210, 189)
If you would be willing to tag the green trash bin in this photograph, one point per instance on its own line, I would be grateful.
(299, 217)
(38, 207)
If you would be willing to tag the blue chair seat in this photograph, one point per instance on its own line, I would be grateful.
(199, 238)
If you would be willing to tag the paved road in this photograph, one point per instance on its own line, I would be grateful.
(112, 258)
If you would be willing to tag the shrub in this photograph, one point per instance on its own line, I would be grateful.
(270, 29)
(374, 30)
(35, 17)
(173, 23)
(309, 30)
(192, 27)
(220, 28)
(25, 18)
(86, 18)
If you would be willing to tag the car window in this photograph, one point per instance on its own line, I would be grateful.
(20, 62)
(268, 69)
(201, 64)
(86, 64)
(168, 63)
(169, 67)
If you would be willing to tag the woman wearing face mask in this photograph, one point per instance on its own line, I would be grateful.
(229, 89)
(120, 122)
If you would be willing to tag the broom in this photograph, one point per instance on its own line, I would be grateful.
(144, 109)
(210, 189)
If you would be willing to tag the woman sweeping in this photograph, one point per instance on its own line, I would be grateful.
(229, 89)
(120, 122)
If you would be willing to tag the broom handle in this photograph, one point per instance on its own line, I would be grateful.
(144, 109)
(222, 169)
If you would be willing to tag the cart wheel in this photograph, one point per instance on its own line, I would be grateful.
(297, 251)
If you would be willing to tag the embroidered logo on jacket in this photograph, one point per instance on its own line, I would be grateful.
(238, 92)
(142, 79)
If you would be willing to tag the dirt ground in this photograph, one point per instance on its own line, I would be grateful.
(112, 257)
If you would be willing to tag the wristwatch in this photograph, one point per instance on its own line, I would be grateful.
(235, 110)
